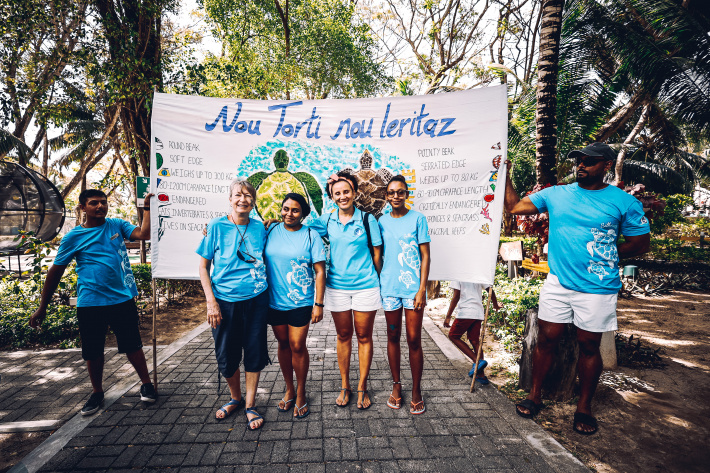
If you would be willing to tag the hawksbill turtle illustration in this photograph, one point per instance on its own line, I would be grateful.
(409, 255)
(605, 245)
(406, 278)
(271, 188)
(299, 276)
(372, 185)
(258, 272)
(598, 269)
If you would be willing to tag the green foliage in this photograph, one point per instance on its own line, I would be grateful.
(673, 249)
(313, 49)
(515, 296)
(675, 204)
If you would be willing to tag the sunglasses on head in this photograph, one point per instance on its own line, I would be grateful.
(589, 161)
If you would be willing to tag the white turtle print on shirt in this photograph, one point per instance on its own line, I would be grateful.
(128, 279)
(295, 296)
(604, 244)
(409, 254)
(405, 277)
(299, 276)
(258, 272)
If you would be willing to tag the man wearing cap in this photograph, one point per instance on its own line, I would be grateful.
(586, 219)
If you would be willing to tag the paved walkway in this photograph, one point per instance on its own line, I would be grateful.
(460, 431)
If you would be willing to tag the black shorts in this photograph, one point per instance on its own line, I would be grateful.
(298, 317)
(95, 320)
(243, 327)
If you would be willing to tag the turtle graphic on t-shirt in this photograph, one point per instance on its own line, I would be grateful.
(258, 272)
(406, 278)
(372, 185)
(597, 268)
(409, 255)
(299, 276)
(605, 245)
(271, 188)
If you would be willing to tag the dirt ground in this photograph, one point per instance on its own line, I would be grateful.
(650, 420)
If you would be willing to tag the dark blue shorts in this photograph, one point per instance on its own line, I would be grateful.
(298, 317)
(243, 327)
(94, 321)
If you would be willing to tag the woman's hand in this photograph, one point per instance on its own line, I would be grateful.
(420, 300)
(316, 314)
(214, 316)
(269, 222)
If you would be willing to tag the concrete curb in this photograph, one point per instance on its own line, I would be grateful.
(37, 458)
(558, 457)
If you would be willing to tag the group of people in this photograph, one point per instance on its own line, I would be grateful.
(255, 274)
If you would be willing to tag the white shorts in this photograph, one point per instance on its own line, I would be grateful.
(362, 300)
(590, 312)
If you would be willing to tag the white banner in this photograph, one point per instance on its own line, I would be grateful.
(450, 147)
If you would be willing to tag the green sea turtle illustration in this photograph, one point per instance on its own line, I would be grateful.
(406, 278)
(372, 185)
(409, 255)
(299, 276)
(271, 188)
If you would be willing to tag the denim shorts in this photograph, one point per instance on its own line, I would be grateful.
(243, 327)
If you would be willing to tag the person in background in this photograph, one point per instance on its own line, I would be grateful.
(106, 291)
(233, 277)
(468, 297)
(295, 269)
(403, 279)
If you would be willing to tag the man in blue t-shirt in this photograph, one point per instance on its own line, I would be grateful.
(106, 289)
(586, 219)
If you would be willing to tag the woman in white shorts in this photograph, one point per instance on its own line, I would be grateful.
(352, 292)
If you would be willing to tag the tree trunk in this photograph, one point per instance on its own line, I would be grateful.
(618, 169)
(559, 381)
(508, 223)
(45, 156)
(433, 289)
(620, 117)
(546, 111)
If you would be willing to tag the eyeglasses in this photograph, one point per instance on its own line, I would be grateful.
(247, 197)
(589, 161)
(246, 257)
(398, 193)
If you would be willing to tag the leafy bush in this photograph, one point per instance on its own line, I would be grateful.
(672, 214)
(673, 249)
(515, 296)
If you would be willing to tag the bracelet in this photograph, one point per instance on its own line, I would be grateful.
(318, 305)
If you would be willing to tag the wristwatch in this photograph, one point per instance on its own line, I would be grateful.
(318, 305)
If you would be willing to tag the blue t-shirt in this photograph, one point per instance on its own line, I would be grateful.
(233, 279)
(584, 228)
(289, 266)
(401, 270)
(351, 265)
(105, 276)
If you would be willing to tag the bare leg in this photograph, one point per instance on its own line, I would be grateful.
(137, 359)
(300, 361)
(416, 355)
(252, 379)
(463, 346)
(235, 391)
(96, 373)
(549, 334)
(344, 328)
(590, 367)
(281, 332)
(364, 322)
(394, 330)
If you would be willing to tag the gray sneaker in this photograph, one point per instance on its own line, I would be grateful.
(96, 400)
(148, 393)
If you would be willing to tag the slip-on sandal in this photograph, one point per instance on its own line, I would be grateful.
(239, 404)
(417, 408)
(394, 402)
(298, 411)
(350, 395)
(530, 406)
(286, 403)
(585, 419)
(362, 406)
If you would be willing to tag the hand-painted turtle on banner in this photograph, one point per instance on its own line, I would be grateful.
(372, 185)
(271, 188)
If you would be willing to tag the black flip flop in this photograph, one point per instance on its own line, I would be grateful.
(586, 419)
(530, 406)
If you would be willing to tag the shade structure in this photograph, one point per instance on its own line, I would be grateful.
(28, 202)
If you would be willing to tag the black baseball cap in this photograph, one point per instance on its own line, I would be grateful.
(600, 150)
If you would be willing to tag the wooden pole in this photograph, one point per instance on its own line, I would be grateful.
(155, 346)
(481, 338)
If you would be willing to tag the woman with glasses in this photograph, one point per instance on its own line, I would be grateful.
(352, 292)
(295, 268)
(403, 286)
(237, 300)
